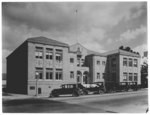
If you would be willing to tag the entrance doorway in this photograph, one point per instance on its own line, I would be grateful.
(79, 77)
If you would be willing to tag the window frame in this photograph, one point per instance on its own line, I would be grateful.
(130, 62)
(136, 76)
(135, 63)
(49, 74)
(59, 75)
(131, 76)
(98, 62)
(72, 74)
(98, 75)
(71, 60)
(39, 52)
(125, 62)
(125, 78)
(40, 75)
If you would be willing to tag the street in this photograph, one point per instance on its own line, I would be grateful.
(124, 102)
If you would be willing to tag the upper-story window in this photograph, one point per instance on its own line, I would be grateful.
(103, 62)
(98, 62)
(59, 55)
(98, 75)
(39, 52)
(71, 60)
(49, 53)
(135, 62)
(130, 62)
(124, 61)
(39, 73)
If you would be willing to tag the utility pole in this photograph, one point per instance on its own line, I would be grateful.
(76, 11)
(37, 77)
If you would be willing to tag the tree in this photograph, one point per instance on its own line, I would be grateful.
(128, 49)
(121, 47)
(144, 75)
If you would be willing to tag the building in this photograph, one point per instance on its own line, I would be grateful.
(123, 66)
(40, 64)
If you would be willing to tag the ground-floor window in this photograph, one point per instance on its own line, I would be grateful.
(135, 76)
(32, 88)
(130, 76)
(49, 74)
(125, 75)
(59, 74)
(71, 74)
(39, 73)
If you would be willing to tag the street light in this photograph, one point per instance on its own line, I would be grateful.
(37, 77)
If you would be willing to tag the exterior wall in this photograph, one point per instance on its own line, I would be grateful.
(17, 70)
(46, 85)
(73, 68)
(94, 68)
(98, 68)
(128, 69)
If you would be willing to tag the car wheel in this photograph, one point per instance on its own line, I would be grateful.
(85, 92)
(75, 94)
(51, 95)
(100, 92)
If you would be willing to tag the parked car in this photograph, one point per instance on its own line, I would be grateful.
(95, 88)
(74, 89)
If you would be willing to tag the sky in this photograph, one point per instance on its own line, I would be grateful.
(98, 26)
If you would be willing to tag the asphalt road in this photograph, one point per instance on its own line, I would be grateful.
(130, 102)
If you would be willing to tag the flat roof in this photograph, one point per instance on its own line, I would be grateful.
(122, 52)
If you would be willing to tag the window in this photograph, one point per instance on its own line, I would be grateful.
(39, 73)
(39, 52)
(49, 74)
(135, 63)
(98, 75)
(103, 75)
(58, 57)
(135, 76)
(124, 61)
(113, 62)
(71, 60)
(130, 77)
(32, 88)
(130, 62)
(103, 62)
(49, 53)
(125, 76)
(98, 62)
(58, 74)
(72, 74)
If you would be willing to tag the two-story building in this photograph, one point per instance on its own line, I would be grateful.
(123, 66)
